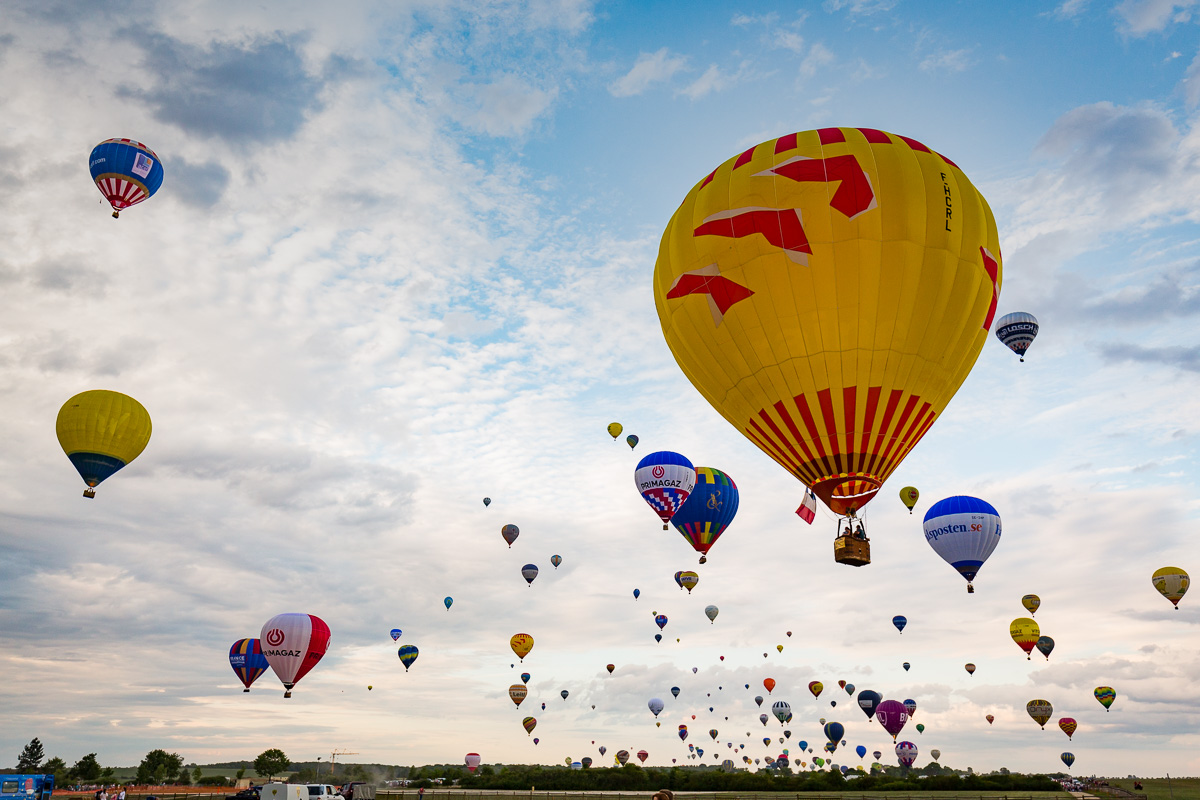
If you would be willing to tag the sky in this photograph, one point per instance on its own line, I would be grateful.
(401, 260)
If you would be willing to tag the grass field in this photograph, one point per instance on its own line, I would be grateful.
(479, 794)
(1157, 788)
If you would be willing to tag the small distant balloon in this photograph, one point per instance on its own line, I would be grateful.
(908, 496)
(906, 666)
(711, 612)
(556, 560)
(637, 593)
(487, 501)
(631, 440)
(1017, 331)
(529, 572)
(899, 621)
(661, 621)
(1045, 646)
(1172, 583)
(408, 654)
(614, 430)
(1106, 695)
(396, 633)
(510, 533)
(1031, 603)
(970, 668)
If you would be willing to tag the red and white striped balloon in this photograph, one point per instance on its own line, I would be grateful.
(293, 644)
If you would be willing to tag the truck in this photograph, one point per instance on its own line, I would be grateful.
(26, 787)
(358, 790)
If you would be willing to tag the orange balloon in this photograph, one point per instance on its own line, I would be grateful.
(769, 683)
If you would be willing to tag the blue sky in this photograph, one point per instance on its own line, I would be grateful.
(401, 260)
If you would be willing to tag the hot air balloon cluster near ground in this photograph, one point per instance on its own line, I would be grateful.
(613, 388)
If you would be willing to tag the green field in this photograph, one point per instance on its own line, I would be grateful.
(1158, 789)
(480, 794)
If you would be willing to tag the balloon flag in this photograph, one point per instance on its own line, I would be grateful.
(970, 668)
(990, 719)
(798, 333)
(1017, 330)
(768, 684)
(248, 662)
(1045, 646)
(642, 755)
(909, 496)
(637, 593)
(521, 644)
(622, 757)
(675, 691)
(447, 602)
(524, 677)
(816, 687)
(1031, 603)
(708, 510)
(610, 668)
(517, 693)
(529, 572)
(655, 705)
(1025, 632)
(688, 580)
(899, 622)
(614, 430)
(1106, 695)
(1068, 726)
(510, 533)
(1171, 582)
(868, 701)
(1040, 710)
(665, 480)
(711, 612)
(834, 731)
(487, 501)
(529, 723)
(396, 634)
(1068, 759)
(963, 531)
(556, 560)
(891, 715)
(564, 694)
(101, 432)
(920, 728)
(472, 761)
(906, 665)
(293, 644)
(632, 441)
(861, 751)
(906, 753)
(781, 709)
(126, 172)
(408, 654)
(911, 707)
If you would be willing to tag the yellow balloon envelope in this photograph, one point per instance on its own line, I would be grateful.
(1031, 603)
(521, 644)
(828, 292)
(1040, 710)
(1025, 633)
(909, 496)
(518, 692)
(101, 432)
(1172, 583)
(614, 429)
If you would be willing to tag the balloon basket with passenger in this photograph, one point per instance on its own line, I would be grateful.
(851, 545)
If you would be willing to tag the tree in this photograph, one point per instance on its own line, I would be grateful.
(240, 773)
(184, 778)
(157, 766)
(30, 757)
(197, 774)
(87, 769)
(271, 762)
(58, 768)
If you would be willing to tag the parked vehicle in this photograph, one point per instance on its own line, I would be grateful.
(26, 787)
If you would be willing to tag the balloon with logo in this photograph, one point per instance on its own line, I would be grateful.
(909, 496)
(408, 654)
(521, 644)
(622, 757)
(708, 510)
(564, 694)
(1025, 632)
(126, 172)
(447, 602)
(248, 662)
(782, 710)
(1172, 583)
(529, 572)
(868, 701)
(396, 634)
(815, 687)
(891, 715)
(1045, 646)
(689, 580)
(665, 480)
(675, 691)
(990, 719)
(293, 644)
(899, 621)
(963, 531)
(1068, 726)
(655, 705)
(1017, 331)
(1040, 711)
(510, 533)
(661, 621)
(614, 430)
(517, 693)
(810, 290)
(1031, 603)
(101, 432)
(1106, 695)
(472, 761)
(529, 723)
(906, 753)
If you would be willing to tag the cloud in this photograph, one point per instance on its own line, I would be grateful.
(818, 56)
(648, 70)
(948, 61)
(506, 106)
(1185, 358)
(1070, 9)
(860, 7)
(1140, 17)
(252, 91)
(197, 185)
(1191, 83)
(713, 80)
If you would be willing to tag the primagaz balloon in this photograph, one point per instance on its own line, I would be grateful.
(101, 432)
(293, 644)
(665, 480)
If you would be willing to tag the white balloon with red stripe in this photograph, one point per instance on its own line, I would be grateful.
(293, 644)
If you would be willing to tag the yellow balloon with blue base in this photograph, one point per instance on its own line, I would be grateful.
(102, 431)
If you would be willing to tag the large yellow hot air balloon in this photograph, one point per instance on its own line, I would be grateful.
(1025, 632)
(521, 644)
(828, 292)
(101, 432)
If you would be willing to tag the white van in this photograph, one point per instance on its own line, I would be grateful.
(283, 791)
(323, 791)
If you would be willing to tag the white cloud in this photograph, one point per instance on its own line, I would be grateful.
(1070, 9)
(818, 56)
(948, 61)
(860, 7)
(648, 70)
(1190, 84)
(506, 106)
(1141, 17)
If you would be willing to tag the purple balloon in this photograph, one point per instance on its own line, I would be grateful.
(891, 715)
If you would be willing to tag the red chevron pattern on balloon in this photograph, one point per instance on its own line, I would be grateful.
(853, 196)
(779, 226)
(722, 292)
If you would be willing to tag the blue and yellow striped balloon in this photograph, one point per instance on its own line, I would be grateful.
(101, 432)
(248, 662)
(708, 510)
(408, 654)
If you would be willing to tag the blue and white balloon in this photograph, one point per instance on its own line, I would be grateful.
(964, 531)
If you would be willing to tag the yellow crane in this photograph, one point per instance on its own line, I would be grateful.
(333, 758)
